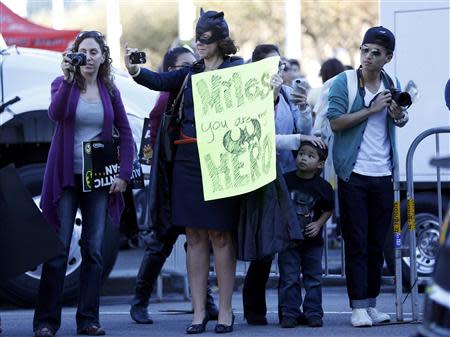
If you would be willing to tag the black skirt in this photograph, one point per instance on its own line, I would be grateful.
(189, 208)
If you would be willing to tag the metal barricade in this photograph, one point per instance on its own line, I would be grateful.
(176, 263)
(411, 219)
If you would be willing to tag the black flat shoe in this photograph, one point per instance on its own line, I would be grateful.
(198, 328)
(222, 328)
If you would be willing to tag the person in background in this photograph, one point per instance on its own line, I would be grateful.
(174, 59)
(292, 71)
(85, 105)
(364, 154)
(290, 118)
(329, 69)
(204, 221)
(157, 250)
(312, 199)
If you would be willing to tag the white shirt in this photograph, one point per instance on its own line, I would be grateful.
(374, 156)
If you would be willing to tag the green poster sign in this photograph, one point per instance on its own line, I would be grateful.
(234, 119)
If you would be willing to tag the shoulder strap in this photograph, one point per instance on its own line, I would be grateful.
(388, 78)
(352, 87)
(179, 95)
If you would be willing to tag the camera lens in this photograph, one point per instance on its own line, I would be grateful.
(77, 59)
(404, 99)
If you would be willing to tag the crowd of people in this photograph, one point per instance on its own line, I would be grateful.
(86, 105)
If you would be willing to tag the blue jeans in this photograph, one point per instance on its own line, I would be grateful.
(307, 259)
(93, 207)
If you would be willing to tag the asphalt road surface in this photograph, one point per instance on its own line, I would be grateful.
(171, 318)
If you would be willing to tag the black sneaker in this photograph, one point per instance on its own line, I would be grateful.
(315, 322)
(288, 322)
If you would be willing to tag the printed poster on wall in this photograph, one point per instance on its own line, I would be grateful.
(234, 119)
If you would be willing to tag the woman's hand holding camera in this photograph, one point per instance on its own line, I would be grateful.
(132, 68)
(276, 82)
(118, 185)
(299, 98)
(67, 68)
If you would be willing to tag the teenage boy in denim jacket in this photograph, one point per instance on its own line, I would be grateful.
(364, 154)
(312, 198)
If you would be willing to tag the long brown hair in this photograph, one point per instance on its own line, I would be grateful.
(104, 72)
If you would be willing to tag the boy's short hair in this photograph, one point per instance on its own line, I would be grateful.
(321, 152)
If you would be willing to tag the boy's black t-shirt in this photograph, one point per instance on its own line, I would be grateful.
(310, 198)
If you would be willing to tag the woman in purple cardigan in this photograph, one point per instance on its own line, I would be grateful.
(85, 106)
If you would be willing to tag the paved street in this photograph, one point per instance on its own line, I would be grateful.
(171, 318)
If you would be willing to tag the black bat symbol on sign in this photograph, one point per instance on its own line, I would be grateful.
(237, 146)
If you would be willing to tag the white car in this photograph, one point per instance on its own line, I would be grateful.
(25, 135)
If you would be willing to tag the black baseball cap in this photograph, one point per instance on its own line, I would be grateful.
(381, 36)
(322, 153)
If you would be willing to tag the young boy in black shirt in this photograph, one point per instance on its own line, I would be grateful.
(312, 198)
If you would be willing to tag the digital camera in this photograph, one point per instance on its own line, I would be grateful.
(298, 86)
(77, 59)
(402, 98)
(138, 57)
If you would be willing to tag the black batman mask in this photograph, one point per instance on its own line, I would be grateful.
(213, 22)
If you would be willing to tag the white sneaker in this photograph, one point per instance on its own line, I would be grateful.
(377, 316)
(360, 318)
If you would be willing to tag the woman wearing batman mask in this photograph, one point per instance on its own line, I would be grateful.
(204, 220)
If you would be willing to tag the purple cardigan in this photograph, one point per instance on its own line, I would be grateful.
(59, 169)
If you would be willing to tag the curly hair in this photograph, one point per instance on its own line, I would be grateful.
(227, 47)
(104, 72)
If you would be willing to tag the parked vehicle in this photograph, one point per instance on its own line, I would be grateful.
(25, 135)
(422, 54)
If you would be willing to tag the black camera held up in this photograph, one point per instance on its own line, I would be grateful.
(402, 98)
(77, 59)
(138, 57)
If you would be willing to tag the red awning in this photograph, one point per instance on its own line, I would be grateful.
(21, 32)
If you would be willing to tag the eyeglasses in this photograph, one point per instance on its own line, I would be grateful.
(90, 33)
(374, 52)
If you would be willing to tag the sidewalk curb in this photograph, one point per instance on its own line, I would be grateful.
(124, 283)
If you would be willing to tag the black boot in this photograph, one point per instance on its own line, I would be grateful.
(153, 260)
(254, 291)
